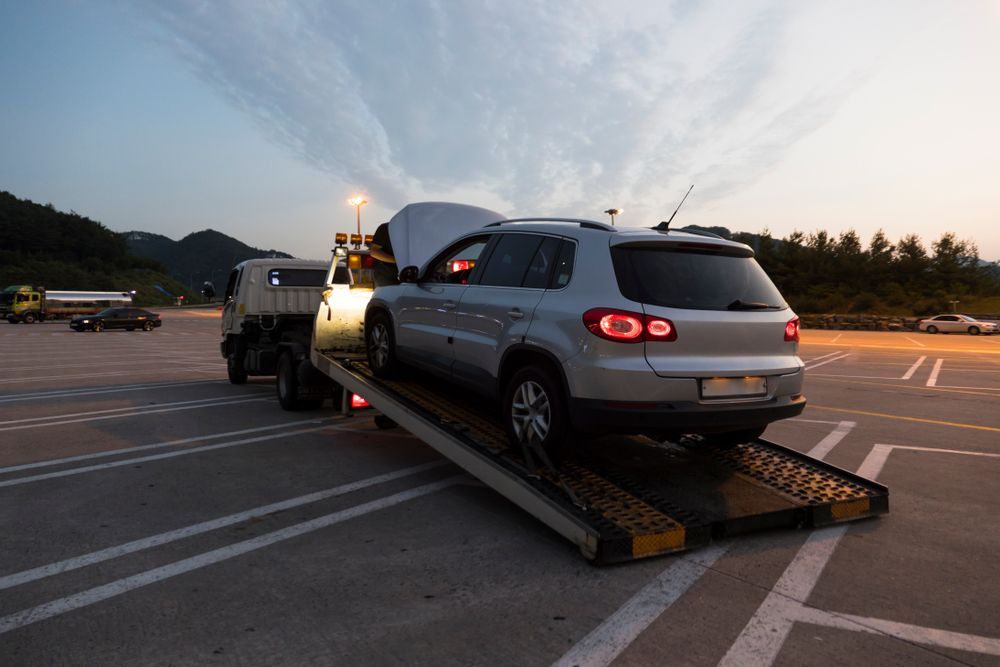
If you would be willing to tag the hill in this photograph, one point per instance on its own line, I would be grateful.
(202, 256)
(66, 251)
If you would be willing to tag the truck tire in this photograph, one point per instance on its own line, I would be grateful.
(29, 318)
(234, 368)
(288, 387)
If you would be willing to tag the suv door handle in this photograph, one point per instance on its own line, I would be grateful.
(515, 314)
(448, 305)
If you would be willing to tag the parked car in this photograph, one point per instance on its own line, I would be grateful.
(129, 319)
(574, 324)
(957, 324)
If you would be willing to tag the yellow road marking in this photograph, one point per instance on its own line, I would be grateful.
(909, 419)
(907, 348)
(985, 392)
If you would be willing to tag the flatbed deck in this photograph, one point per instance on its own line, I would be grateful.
(634, 498)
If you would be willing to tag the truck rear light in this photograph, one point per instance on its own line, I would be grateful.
(792, 330)
(623, 326)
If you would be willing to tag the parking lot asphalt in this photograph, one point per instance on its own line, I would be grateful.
(152, 513)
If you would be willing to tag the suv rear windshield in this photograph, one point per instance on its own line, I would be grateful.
(678, 278)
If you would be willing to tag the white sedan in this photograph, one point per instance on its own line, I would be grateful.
(957, 324)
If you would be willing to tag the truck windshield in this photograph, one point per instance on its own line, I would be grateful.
(678, 278)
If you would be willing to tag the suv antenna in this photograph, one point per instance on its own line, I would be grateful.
(665, 225)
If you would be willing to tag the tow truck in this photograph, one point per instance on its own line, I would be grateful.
(619, 498)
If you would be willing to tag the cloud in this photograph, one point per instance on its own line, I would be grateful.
(557, 108)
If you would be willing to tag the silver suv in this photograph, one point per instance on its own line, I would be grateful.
(575, 324)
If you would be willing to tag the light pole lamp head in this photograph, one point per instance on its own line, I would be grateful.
(357, 201)
(613, 212)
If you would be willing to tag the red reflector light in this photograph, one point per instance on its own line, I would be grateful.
(368, 262)
(358, 402)
(792, 330)
(623, 326)
(459, 265)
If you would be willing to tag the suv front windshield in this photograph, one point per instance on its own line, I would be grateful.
(678, 278)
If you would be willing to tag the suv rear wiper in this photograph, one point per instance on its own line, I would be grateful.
(749, 305)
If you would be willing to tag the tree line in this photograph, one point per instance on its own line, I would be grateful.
(822, 273)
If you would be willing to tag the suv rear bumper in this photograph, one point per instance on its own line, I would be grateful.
(680, 417)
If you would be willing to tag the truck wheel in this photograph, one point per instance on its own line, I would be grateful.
(29, 318)
(147, 326)
(287, 385)
(234, 368)
(98, 327)
(380, 346)
(534, 412)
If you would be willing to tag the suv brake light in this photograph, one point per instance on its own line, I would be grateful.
(623, 326)
(792, 330)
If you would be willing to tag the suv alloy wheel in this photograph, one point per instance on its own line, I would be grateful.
(535, 411)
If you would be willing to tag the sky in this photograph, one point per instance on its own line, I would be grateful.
(260, 119)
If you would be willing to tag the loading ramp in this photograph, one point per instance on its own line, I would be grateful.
(633, 498)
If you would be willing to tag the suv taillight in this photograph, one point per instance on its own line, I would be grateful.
(623, 326)
(792, 330)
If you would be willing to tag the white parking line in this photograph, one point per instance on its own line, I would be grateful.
(932, 380)
(25, 576)
(836, 338)
(915, 342)
(137, 413)
(156, 445)
(183, 452)
(809, 361)
(36, 378)
(606, 642)
(832, 440)
(69, 393)
(616, 633)
(763, 636)
(809, 367)
(913, 369)
(913, 634)
(88, 597)
(65, 415)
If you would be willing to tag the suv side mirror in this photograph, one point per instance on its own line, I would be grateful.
(409, 274)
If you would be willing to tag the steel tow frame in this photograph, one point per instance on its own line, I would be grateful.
(624, 498)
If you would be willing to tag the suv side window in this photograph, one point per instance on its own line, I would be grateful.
(564, 266)
(542, 264)
(510, 259)
(456, 264)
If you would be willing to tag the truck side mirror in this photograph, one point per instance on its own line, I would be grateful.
(409, 274)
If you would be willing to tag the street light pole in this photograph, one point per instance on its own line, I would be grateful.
(613, 212)
(357, 201)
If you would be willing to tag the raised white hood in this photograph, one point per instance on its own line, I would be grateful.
(419, 230)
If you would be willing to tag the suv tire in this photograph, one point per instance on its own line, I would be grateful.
(288, 387)
(534, 411)
(380, 345)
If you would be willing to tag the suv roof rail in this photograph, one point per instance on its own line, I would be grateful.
(585, 224)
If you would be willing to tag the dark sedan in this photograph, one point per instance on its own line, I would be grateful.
(129, 319)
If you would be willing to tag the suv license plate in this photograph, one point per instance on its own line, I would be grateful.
(733, 387)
